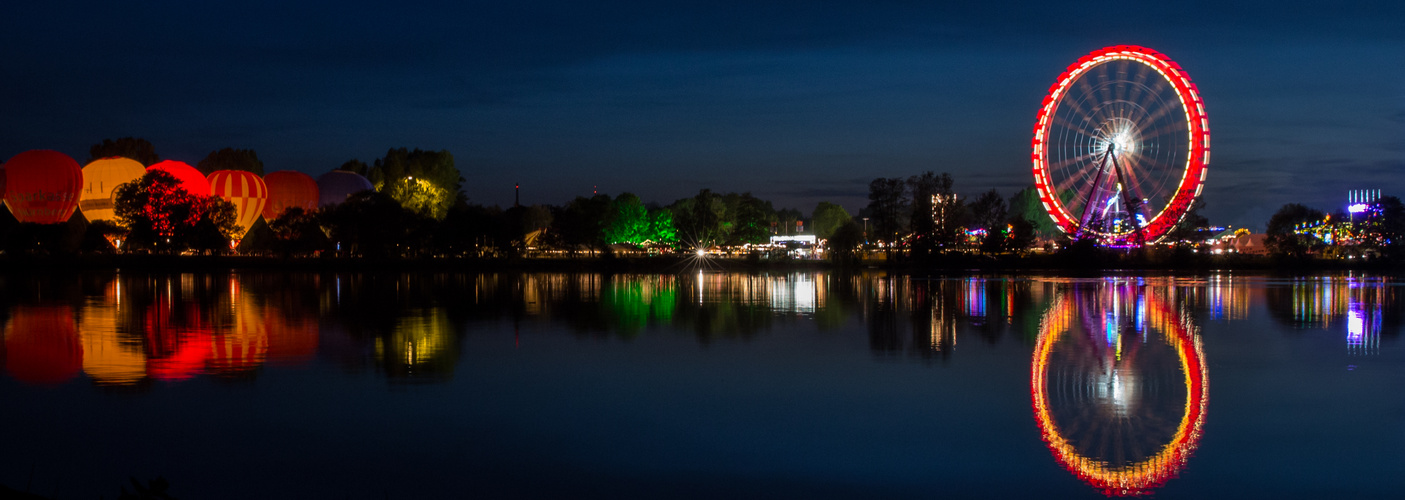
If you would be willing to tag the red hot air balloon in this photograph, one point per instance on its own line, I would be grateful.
(42, 186)
(190, 179)
(288, 189)
(246, 190)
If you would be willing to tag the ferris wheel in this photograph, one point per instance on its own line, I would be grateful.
(1121, 146)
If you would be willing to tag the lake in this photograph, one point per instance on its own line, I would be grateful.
(702, 384)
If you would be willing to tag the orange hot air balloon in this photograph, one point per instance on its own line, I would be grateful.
(246, 190)
(101, 178)
(42, 345)
(190, 179)
(288, 189)
(42, 186)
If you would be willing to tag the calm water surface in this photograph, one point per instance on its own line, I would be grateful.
(704, 385)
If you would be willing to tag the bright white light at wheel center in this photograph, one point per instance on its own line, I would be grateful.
(1124, 142)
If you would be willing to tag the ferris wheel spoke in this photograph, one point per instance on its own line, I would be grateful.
(1059, 120)
(1163, 129)
(1161, 113)
(1070, 161)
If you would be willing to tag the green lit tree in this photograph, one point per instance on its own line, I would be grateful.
(627, 220)
(661, 228)
(1025, 204)
(751, 219)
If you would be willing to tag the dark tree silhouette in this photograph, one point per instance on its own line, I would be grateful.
(888, 204)
(827, 218)
(127, 147)
(231, 159)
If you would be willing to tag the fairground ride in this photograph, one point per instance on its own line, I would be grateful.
(1121, 146)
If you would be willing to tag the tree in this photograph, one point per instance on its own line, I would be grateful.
(298, 231)
(160, 215)
(128, 147)
(231, 159)
(1281, 238)
(582, 222)
(661, 228)
(844, 242)
(786, 218)
(355, 166)
(699, 219)
(1191, 225)
(937, 215)
(371, 224)
(988, 212)
(827, 218)
(888, 205)
(425, 182)
(627, 220)
(751, 220)
(1026, 205)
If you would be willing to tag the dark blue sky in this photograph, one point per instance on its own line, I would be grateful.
(796, 102)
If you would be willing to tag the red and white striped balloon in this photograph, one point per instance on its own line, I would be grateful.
(246, 190)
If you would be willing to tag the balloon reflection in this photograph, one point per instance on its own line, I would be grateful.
(42, 345)
(109, 357)
(1119, 386)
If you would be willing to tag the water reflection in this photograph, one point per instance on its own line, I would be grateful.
(132, 329)
(1120, 385)
(1359, 309)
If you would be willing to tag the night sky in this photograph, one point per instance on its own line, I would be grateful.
(797, 102)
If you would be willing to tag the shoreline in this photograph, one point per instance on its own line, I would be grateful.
(956, 264)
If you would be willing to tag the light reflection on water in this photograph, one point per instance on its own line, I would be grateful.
(1118, 369)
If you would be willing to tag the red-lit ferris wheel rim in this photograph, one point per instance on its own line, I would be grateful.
(1197, 126)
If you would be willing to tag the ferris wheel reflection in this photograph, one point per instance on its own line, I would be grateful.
(1119, 385)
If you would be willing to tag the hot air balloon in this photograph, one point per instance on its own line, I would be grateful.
(42, 345)
(190, 179)
(338, 185)
(101, 178)
(245, 190)
(42, 186)
(288, 189)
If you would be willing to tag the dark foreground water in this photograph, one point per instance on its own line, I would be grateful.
(704, 385)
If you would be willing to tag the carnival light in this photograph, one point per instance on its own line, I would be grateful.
(1089, 131)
